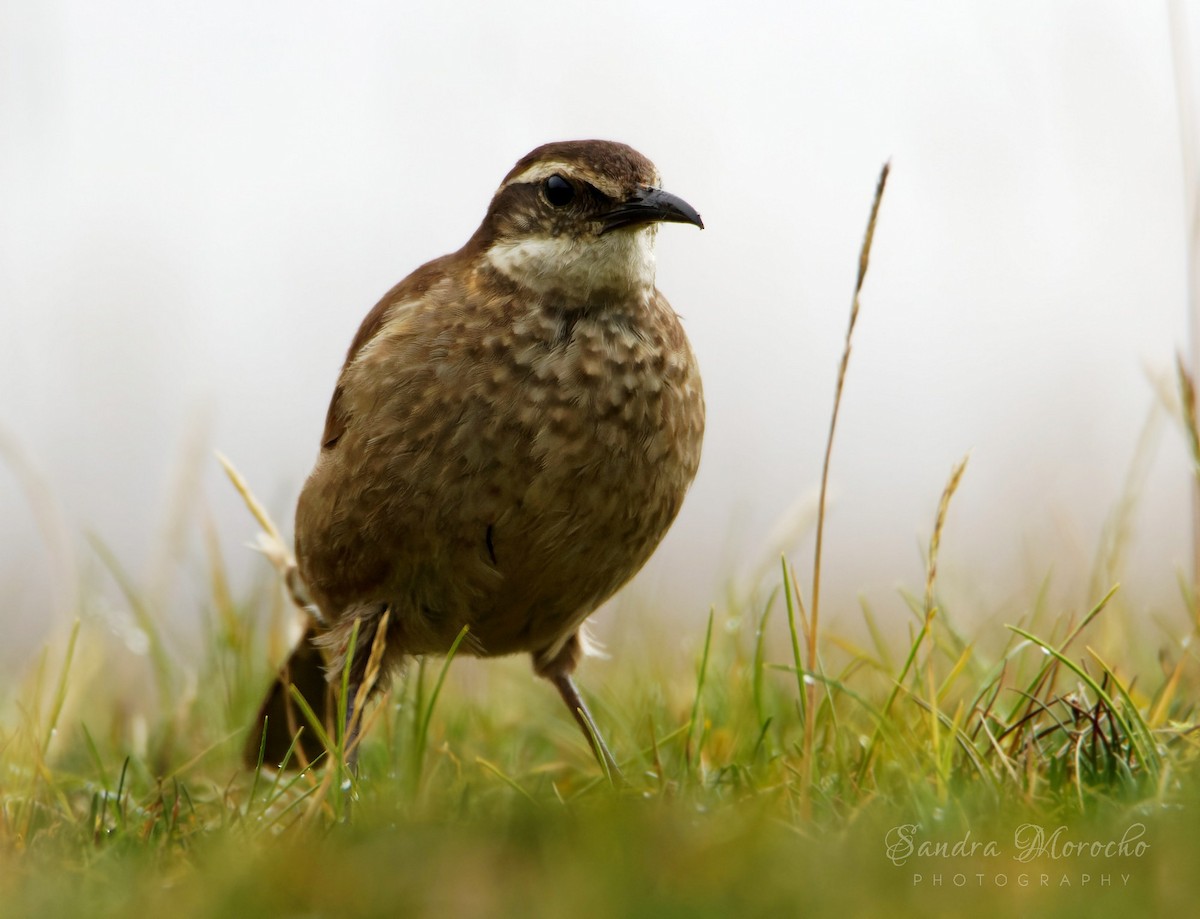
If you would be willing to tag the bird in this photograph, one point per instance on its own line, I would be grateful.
(511, 435)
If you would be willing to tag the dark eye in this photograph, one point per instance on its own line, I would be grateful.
(558, 191)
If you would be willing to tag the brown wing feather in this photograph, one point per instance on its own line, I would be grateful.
(415, 285)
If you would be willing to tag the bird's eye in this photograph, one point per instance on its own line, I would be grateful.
(559, 191)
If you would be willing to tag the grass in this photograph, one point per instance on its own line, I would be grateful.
(774, 766)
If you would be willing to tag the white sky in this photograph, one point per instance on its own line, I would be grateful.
(198, 203)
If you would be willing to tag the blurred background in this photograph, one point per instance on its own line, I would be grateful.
(199, 203)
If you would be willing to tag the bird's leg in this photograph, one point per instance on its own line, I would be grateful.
(570, 694)
(365, 675)
(556, 665)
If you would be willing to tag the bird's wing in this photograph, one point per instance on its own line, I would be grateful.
(395, 304)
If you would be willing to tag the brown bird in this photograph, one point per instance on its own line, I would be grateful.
(512, 433)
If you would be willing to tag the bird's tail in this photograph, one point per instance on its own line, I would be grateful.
(281, 725)
(280, 722)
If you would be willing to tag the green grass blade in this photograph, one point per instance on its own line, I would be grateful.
(427, 715)
(1144, 745)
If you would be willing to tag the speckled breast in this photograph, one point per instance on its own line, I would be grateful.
(508, 464)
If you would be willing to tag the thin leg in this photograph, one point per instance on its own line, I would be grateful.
(570, 694)
(365, 667)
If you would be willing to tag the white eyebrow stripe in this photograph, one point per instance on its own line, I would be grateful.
(546, 168)
(539, 171)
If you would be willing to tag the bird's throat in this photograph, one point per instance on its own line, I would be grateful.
(620, 263)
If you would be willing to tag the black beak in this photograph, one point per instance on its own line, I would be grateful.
(651, 205)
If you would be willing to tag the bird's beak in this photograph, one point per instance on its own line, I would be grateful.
(651, 205)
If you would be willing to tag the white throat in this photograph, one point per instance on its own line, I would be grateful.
(622, 260)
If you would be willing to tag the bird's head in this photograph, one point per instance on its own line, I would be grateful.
(577, 220)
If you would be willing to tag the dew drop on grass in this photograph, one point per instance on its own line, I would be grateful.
(346, 785)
